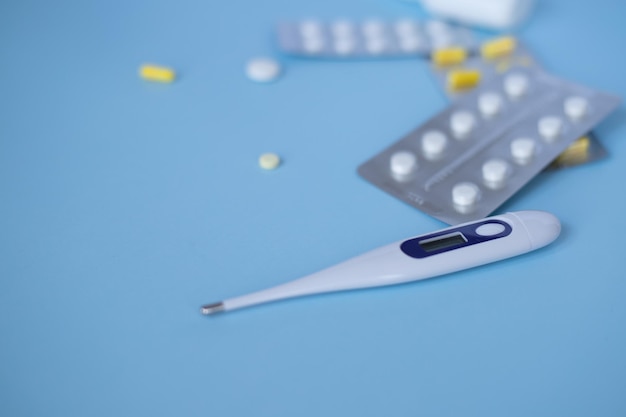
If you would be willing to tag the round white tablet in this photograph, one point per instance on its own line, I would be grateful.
(373, 28)
(495, 172)
(263, 70)
(550, 127)
(462, 123)
(376, 45)
(344, 46)
(406, 27)
(576, 107)
(433, 144)
(522, 150)
(465, 194)
(269, 161)
(342, 28)
(442, 41)
(489, 104)
(313, 45)
(413, 43)
(403, 163)
(311, 28)
(437, 27)
(516, 85)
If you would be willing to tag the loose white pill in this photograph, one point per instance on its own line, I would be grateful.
(344, 46)
(373, 28)
(465, 195)
(522, 150)
(263, 70)
(342, 29)
(495, 172)
(406, 27)
(550, 127)
(403, 163)
(462, 123)
(576, 107)
(311, 28)
(489, 104)
(516, 85)
(434, 143)
(313, 45)
(269, 161)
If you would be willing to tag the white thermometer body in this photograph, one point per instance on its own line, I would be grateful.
(442, 252)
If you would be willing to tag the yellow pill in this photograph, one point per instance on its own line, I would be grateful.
(269, 161)
(157, 73)
(449, 56)
(576, 153)
(498, 47)
(463, 79)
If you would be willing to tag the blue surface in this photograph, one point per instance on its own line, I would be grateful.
(125, 205)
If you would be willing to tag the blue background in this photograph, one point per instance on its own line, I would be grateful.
(125, 205)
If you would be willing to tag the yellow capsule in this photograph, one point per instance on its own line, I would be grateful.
(498, 47)
(576, 153)
(449, 56)
(463, 79)
(157, 73)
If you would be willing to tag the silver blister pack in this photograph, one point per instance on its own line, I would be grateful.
(374, 38)
(586, 149)
(471, 157)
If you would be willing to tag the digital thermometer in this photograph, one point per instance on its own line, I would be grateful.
(442, 252)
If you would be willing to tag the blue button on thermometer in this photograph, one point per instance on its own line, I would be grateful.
(442, 252)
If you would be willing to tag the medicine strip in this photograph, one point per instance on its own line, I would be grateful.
(370, 38)
(464, 162)
(498, 56)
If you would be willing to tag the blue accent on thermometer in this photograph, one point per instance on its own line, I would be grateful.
(426, 256)
(455, 238)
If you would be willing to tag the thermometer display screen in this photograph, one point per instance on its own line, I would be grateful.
(442, 242)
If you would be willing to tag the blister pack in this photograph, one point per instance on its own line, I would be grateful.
(471, 157)
(373, 38)
(457, 72)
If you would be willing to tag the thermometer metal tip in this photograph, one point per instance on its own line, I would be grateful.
(214, 308)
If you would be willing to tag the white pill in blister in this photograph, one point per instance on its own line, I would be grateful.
(311, 28)
(437, 27)
(522, 150)
(263, 69)
(442, 41)
(462, 123)
(342, 28)
(411, 43)
(465, 194)
(313, 45)
(373, 28)
(406, 27)
(434, 143)
(495, 172)
(489, 104)
(344, 46)
(576, 107)
(403, 163)
(515, 85)
(550, 127)
(376, 45)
